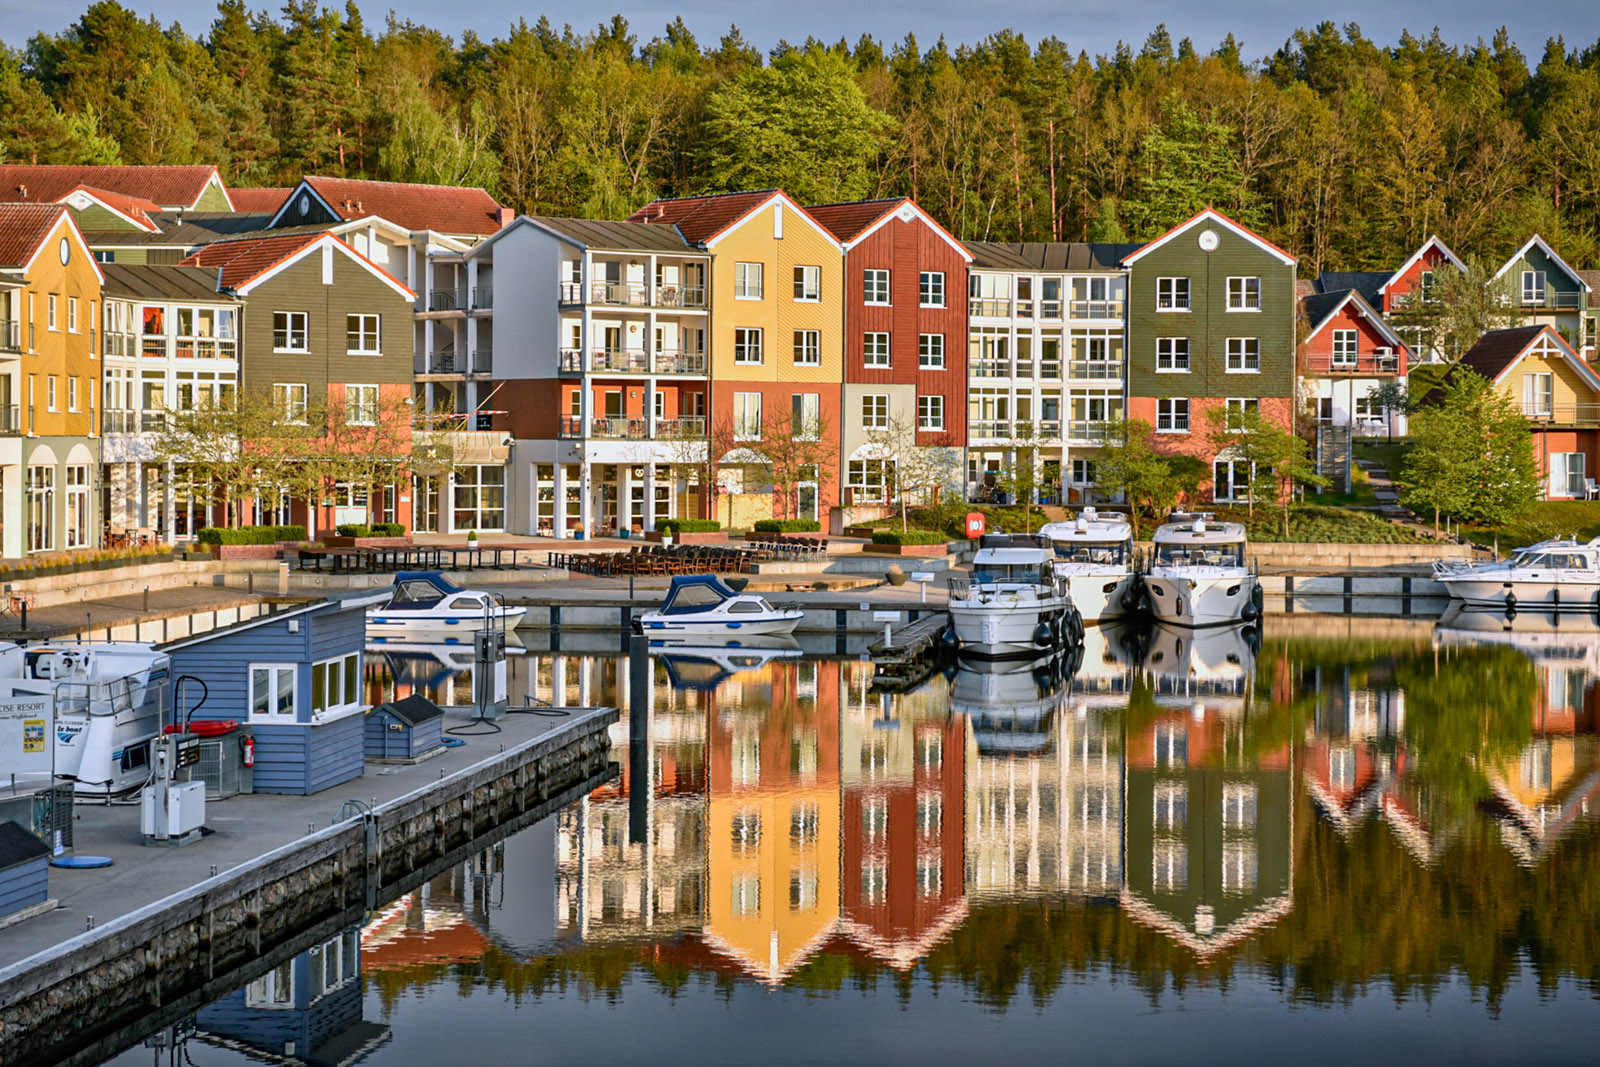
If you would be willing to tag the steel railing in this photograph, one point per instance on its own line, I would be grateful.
(1097, 370)
(10, 336)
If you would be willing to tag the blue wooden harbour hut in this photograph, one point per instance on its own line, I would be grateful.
(295, 678)
(24, 869)
(405, 729)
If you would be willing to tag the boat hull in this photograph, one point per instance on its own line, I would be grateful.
(430, 627)
(1498, 591)
(1198, 600)
(1103, 597)
(1003, 630)
(656, 626)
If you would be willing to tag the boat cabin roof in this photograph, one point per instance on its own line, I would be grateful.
(695, 592)
(1012, 557)
(1564, 543)
(1199, 532)
(422, 587)
(1096, 531)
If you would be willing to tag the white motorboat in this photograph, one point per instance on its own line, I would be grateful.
(426, 606)
(1198, 574)
(1015, 604)
(702, 604)
(108, 705)
(1094, 553)
(1563, 573)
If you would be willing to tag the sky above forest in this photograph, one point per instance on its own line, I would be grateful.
(1261, 26)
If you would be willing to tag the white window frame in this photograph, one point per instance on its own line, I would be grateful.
(50, 392)
(1240, 404)
(276, 675)
(1168, 292)
(875, 286)
(341, 677)
(72, 393)
(930, 351)
(875, 349)
(368, 334)
(289, 331)
(930, 289)
(361, 405)
(875, 411)
(806, 411)
(50, 321)
(930, 413)
(747, 281)
(1167, 362)
(72, 314)
(1244, 350)
(1244, 293)
(1568, 476)
(1346, 348)
(284, 396)
(1533, 288)
(748, 346)
(808, 348)
(807, 284)
(1168, 411)
(748, 427)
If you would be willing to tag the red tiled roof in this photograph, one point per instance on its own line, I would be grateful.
(243, 260)
(847, 221)
(167, 186)
(23, 227)
(136, 208)
(700, 218)
(441, 208)
(258, 201)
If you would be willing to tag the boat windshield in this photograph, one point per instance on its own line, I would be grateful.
(1223, 555)
(1556, 560)
(1014, 574)
(1105, 552)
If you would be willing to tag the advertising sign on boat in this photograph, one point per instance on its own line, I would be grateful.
(26, 727)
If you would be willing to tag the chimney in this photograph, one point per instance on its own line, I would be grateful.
(358, 205)
(23, 189)
(503, 217)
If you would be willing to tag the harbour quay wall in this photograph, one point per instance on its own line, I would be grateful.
(76, 999)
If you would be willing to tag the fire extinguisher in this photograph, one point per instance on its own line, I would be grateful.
(249, 752)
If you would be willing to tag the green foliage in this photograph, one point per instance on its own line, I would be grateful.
(377, 529)
(1320, 524)
(1186, 165)
(787, 526)
(678, 526)
(250, 535)
(1545, 520)
(1151, 481)
(1471, 455)
(912, 536)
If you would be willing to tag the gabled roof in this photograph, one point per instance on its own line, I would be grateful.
(171, 187)
(247, 262)
(183, 230)
(703, 220)
(448, 209)
(258, 200)
(607, 236)
(1369, 283)
(1218, 218)
(1591, 278)
(1539, 242)
(1321, 307)
(1499, 350)
(24, 228)
(852, 223)
(1048, 255)
(136, 210)
(1432, 242)
(153, 283)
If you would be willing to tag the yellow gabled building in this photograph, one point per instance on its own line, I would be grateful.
(49, 382)
(777, 345)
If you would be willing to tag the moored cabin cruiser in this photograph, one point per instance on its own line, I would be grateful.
(1551, 574)
(703, 605)
(1198, 574)
(1095, 555)
(108, 700)
(1015, 604)
(427, 606)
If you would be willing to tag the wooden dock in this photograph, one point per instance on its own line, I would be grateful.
(906, 657)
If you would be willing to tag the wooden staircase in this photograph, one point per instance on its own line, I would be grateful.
(1334, 452)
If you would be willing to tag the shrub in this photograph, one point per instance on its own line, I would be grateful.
(388, 529)
(912, 536)
(353, 529)
(250, 535)
(678, 526)
(788, 526)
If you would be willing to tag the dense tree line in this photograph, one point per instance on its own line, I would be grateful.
(1343, 150)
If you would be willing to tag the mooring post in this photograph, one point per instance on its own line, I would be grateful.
(638, 737)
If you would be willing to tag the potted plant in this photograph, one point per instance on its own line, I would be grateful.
(896, 576)
(472, 538)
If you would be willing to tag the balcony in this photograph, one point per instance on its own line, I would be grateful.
(634, 294)
(1097, 370)
(482, 297)
(122, 345)
(206, 348)
(1551, 300)
(1361, 363)
(1090, 430)
(989, 309)
(1100, 310)
(481, 361)
(1413, 299)
(603, 361)
(10, 419)
(990, 368)
(10, 337)
(633, 428)
(989, 429)
(1587, 414)
(447, 300)
(152, 421)
(156, 347)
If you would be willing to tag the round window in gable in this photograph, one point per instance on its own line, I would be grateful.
(305, 204)
(66, 251)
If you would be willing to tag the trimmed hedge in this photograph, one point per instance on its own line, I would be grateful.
(912, 536)
(677, 526)
(377, 529)
(251, 535)
(788, 526)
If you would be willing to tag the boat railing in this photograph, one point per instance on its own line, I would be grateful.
(1454, 568)
(959, 588)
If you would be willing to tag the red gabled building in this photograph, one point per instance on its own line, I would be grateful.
(905, 334)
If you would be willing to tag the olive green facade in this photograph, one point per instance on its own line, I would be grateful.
(1208, 324)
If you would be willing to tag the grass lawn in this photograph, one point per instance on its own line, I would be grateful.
(1386, 454)
(1549, 518)
(1360, 494)
(1314, 524)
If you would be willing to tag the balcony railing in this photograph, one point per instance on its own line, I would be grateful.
(990, 368)
(1049, 309)
(632, 428)
(11, 419)
(1412, 299)
(1362, 363)
(1552, 299)
(1097, 370)
(483, 360)
(1088, 430)
(1097, 309)
(11, 336)
(634, 294)
(120, 344)
(1562, 414)
(156, 347)
(989, 429)
(989, 309)
(206, 348)
(447, 300)
(602, 361)
(482, 297)
(152, 421)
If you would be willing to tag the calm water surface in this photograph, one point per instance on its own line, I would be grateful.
(1305, 848)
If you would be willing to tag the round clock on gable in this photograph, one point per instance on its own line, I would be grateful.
(1208, 241)
(66, 251)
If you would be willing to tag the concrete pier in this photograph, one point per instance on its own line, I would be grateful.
(82, 998)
